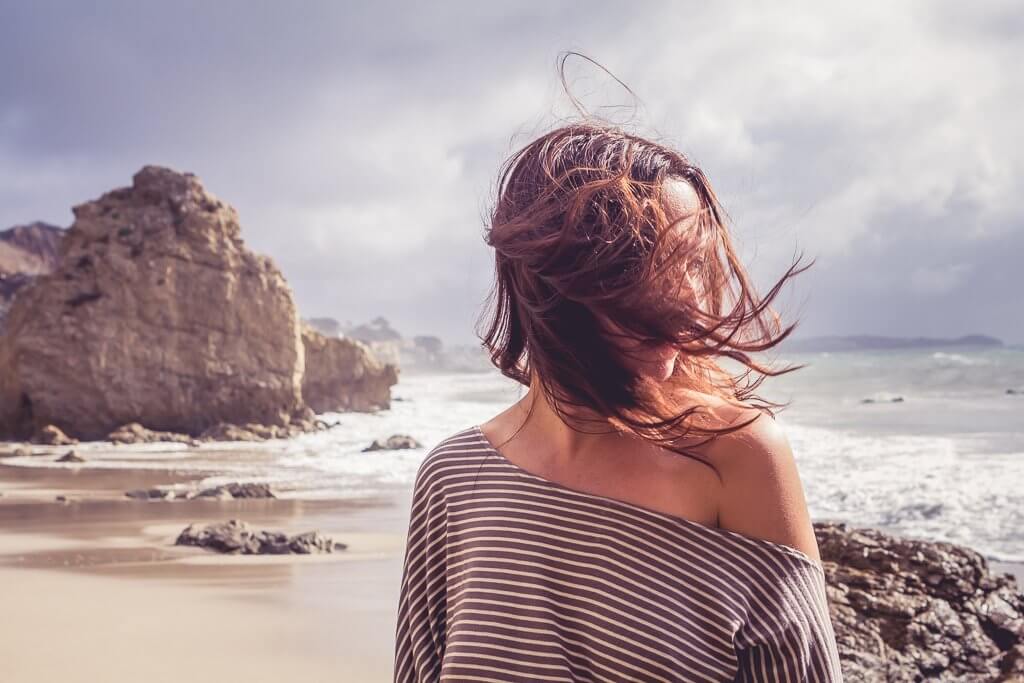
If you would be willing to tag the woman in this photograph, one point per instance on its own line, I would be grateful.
(637, 515)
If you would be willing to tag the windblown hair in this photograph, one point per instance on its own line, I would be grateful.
(580, 234)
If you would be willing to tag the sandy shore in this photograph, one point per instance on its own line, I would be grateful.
(94, 589)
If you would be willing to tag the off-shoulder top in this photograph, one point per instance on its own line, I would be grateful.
(511, 577)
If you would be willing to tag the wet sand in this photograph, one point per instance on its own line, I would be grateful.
(93, 589)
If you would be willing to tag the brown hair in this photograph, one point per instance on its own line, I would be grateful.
(580, 234)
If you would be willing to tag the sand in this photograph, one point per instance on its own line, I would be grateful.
(94, 589)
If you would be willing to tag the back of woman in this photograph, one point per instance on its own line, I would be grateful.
(637, 516)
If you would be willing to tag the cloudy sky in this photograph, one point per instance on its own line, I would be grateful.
(360, 142)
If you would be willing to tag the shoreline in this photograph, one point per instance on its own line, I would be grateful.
(100, 574)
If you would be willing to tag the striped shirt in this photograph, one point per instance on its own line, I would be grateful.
(511, 577)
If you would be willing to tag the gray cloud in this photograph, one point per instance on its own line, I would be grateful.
(360, 142)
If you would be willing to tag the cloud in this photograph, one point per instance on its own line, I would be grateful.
(360, 142)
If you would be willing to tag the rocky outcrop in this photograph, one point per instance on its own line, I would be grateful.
(232, 491)
(133, 433)
(908, 610)
(235, 537)
(343, 374)
(48, 435)
(156, 313)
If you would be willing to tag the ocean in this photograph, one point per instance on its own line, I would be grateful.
(946, 463)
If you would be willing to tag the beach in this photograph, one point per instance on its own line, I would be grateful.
(94, 589)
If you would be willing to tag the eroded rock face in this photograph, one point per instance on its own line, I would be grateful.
(235, 537)
(343, 374)
(907, 610)
(156, 313)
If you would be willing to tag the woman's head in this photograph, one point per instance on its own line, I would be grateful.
(614, 280)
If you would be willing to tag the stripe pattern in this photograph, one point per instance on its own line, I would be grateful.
(511, 577)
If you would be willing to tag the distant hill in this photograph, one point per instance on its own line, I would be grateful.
(878, 343)
(423, 353)
(26, 251)
(30, 249)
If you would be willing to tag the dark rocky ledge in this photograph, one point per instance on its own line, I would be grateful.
(235, 537)
(909, 610)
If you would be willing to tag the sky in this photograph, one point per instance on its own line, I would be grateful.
(360, 142)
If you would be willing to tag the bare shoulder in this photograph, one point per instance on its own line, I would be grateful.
(762, 495)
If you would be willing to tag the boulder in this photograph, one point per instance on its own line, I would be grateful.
(343, 374)
(133, 432)
(71, 456)
(235, 537)
(393, 443)
(231, 491)
(910, 610)
(155, 313)
(49, 435)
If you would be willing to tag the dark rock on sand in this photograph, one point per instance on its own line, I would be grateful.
(70, 456)
(152, 494)
(393, 442)
(235, 491)
(236, 537)
(232, 491)
(908, 610)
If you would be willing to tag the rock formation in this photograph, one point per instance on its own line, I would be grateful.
(343, 374)
(230, 491)
(235, 537)
(156, 313)
(908, 610)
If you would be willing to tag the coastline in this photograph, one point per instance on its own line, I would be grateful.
(100, 574)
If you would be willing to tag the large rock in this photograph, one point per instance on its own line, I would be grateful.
(156, 313)
(343, 374)
(237, 538)
(909, 610)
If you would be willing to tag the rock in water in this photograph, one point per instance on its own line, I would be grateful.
(343, 374)
(393, 442)
(156, 313)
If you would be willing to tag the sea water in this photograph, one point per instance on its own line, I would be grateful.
(944, 463)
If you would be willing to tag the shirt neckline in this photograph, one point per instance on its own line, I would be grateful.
(685, 521)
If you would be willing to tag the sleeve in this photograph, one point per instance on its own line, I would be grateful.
(420, 632)
(789, 635)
